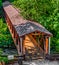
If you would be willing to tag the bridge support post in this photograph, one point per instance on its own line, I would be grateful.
(49, 45)
(46, 45)
(21, 45)
(21, 52)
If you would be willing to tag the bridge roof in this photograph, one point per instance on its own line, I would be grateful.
(30, 27)
(21, 25)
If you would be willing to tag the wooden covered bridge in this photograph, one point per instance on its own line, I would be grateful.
(30, 38)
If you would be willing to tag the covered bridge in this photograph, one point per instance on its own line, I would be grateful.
(29, 37)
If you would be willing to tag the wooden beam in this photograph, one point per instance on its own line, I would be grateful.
(14, 33)
(35, 43)
(49, 45)
(23, 44)
(18, 46)
(14, 39)
(46, 45)
(35, 33)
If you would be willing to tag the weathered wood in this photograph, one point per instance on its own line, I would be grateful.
(34, 41)
(27, 43)
(47, 43)
(21, 45)
(49, 46)
(0, 63)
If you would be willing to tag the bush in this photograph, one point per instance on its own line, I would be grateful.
(4, 59)
(1, 51)
(5, 37)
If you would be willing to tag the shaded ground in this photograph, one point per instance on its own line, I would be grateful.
(43, 63)
(38, 62)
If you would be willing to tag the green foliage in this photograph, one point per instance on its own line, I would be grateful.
(0, 3)
(1, 51)
(5, 37)
(45, 12)
(5, 59)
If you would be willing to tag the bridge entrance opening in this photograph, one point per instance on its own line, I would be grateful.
(34, 45)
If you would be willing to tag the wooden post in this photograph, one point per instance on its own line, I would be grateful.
(14, 32)
(46, 45)
(21, 51)
(11, 28)
(0, 63)
(10, 25)
(49, 45)
(18, 46)
(21, 45)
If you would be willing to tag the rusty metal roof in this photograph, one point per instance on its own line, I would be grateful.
(21, 25)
